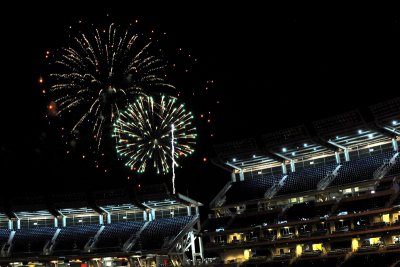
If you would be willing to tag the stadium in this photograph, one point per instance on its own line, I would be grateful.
(320, 194)
(147, 227)
(323, 194)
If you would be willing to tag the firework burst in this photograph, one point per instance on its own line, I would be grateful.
(144, 129)
(99, 72)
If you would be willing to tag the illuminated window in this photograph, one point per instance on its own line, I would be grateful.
(299, 250)
(386, 218)
(317, 247)
(354, 244)
(347, 191)
(247, 254)
(374, 240)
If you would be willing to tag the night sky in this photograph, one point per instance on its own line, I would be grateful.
(271, 68)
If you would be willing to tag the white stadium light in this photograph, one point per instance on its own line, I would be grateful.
(360, 131)
(284, 149)
(394, 122)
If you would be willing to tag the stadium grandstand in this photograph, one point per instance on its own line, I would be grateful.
(324, 193)
(144, 227)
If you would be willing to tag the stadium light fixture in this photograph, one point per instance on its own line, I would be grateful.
(234, 159)
(394, 123)
(360, 131)
(284, 149)
(305, 145)
(254, 156)
(293, 153)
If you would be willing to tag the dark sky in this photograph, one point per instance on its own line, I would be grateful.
(272, 68)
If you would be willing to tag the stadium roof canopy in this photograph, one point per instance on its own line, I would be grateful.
(352, 130)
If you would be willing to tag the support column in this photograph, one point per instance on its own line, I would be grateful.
(193, 248)
(233, 177)
(395, 145)
(346, 154)
(337, 156)
(241, 175)
(108, 217)
(345, 149)
(145, 217)
(292, 167)
(284, 170)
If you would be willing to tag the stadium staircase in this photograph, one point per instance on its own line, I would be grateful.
(274, 189)
(7, 247)
(49, 247)
(386, 167)
(128, 245)
(92, 241)
(172, 242)
(327, 180)
(220, 198)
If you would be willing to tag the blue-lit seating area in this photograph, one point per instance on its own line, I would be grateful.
(255, 187)
(32, 240)
(358, 170)
(158, 233)
(75, 237)
(4, 235)
(115, 235)
(305, 179)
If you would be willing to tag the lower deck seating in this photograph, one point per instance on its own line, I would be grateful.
(115, 235)
(32, 239)
(159, 233)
